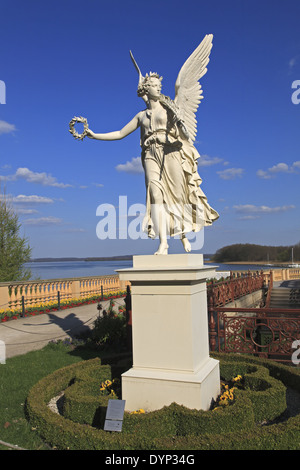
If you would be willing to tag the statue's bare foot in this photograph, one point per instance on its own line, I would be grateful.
(186, 244)
(163, 249)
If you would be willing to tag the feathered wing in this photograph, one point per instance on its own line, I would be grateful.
(188, 91)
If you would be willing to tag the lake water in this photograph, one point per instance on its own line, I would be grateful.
(69, 269)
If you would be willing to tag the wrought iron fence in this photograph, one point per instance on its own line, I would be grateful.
(263, 332)
(224, 292)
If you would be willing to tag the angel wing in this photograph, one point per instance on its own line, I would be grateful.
(188, 91)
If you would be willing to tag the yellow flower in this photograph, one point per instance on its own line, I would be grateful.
(237, 378)
(140, 411)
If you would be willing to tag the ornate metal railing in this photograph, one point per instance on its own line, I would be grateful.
(224, 292)
(264, 332)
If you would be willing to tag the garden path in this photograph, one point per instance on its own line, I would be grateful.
(34, 332)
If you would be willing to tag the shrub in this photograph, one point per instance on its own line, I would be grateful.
(268, 395)
(110, 330)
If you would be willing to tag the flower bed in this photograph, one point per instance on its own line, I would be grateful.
(53, 306)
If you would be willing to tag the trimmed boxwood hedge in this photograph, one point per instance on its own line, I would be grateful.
(82, 400)
(267, 395)
(172, 427)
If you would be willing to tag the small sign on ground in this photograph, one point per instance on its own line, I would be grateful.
(114, 415)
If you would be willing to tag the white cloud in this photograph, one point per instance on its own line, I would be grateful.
(42, 221)
(278, 168)
(75, 230)
(33, 199)
(249, 217)
(6, 128)
(26, 211)
(39, 178)
(250, 211)
(231, 173)
(134, 166)
(292, 62)
(34, 177)
(206, 160)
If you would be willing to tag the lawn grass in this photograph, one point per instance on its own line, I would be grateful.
(17, 376)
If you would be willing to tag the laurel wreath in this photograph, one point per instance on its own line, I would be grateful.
(72, 127)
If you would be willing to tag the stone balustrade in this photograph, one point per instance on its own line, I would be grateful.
(279, 274)
(45, 291)
(286, 274)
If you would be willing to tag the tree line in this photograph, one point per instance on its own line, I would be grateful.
(257, 253)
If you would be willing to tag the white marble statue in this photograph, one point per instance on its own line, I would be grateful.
(175, 203)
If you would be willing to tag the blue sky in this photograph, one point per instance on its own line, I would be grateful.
(65, 58)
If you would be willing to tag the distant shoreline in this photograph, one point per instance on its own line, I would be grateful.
(130, 257)
(103, 258)
(259, 263)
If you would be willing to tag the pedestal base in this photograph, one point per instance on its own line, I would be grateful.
(154, 389)
(171, 360)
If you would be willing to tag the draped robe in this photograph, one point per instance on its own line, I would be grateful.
(170, 163)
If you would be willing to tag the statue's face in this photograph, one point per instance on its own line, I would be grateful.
(154, 88)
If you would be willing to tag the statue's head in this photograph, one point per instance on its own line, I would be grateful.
(149, 82)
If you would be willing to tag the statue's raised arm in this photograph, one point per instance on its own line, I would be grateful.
(116, 135)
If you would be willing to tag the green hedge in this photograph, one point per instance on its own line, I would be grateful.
(84, 405)
(267, 395)
(82, 400)
(172, 427)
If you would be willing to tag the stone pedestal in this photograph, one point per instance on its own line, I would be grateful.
(171, 360)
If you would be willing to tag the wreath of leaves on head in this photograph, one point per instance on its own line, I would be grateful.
(72, 127)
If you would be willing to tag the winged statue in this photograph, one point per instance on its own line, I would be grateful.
(175, 203)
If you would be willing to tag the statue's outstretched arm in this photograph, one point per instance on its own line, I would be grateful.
(116, 135)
